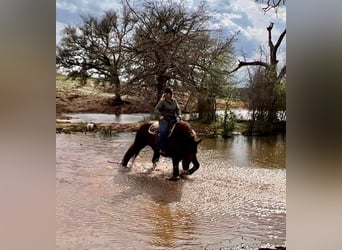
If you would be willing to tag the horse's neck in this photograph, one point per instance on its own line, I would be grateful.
(182, 129)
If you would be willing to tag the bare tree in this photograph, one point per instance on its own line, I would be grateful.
(97, 48)
(166, 43)
(271, 76)
(175, 46)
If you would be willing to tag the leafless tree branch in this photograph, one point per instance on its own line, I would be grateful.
(271, 4)
(282, 73)
(251, 63)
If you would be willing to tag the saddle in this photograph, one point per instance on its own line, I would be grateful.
(154, 128)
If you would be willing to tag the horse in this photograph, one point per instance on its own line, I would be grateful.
(181, 145)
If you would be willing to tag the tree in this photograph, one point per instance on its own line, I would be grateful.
(214, 81)
(268, 76)
(166, 43)
(97, 48)
(258, 94)
(174, 46)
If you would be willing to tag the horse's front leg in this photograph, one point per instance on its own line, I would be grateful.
(194, 168)
(155, 158)
(175, 163)
(185, 165)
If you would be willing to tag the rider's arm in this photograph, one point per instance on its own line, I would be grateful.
(178, 111)
(157, 109)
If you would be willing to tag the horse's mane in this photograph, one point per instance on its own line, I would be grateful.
(184, 125)
(185, 129)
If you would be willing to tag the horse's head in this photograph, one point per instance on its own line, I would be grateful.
(183, 144)
(194, 141)
(190, 152)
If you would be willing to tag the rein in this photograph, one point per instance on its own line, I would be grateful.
(171, 131)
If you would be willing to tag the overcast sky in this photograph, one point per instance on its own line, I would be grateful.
(245, 16)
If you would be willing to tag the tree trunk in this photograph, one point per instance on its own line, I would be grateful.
(185, 109)
(271, 79)
(207, 108)
(115, 82)
(161, 83)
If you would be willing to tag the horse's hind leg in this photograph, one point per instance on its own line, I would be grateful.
(133, 151)
(128, 155)
(175, 174)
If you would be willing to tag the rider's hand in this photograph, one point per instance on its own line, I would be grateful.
(161, 117)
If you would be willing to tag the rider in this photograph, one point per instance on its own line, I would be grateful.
(167, 110)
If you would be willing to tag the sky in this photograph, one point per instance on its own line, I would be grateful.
(245, 16)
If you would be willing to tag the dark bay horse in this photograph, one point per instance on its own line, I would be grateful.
(181, 145)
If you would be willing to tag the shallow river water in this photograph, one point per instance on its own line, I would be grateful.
(236, 200)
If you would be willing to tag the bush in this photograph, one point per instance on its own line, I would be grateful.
(227, 123)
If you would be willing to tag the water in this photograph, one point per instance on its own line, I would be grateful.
(236, 199)
(104, 118)
(242, 114)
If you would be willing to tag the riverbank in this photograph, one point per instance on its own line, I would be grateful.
(112, 128)
(94, 98)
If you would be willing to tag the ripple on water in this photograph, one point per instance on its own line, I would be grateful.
(220, 206)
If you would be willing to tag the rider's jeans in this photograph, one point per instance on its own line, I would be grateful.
(163, 130)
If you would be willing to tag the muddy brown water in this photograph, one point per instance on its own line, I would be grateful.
(236, 200)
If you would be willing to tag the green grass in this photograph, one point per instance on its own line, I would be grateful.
(240, 127)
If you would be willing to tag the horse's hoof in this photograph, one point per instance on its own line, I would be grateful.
(174, 178)
(184, 176)
(186, 172)
(123, 167)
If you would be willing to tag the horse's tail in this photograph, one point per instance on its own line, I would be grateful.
(140, 141)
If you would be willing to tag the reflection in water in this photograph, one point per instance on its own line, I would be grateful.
(237, 197)
(267, 151)
(166, 226)
(264, 152)
(242, 114)
(164, 231)
(104, 118)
